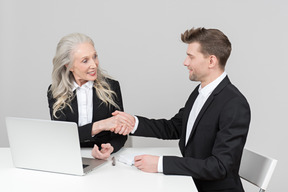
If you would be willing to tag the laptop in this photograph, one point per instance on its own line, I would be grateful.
(47, 145)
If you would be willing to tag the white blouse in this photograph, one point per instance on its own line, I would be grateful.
(85, 102)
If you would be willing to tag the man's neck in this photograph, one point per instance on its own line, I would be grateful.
(211, 78)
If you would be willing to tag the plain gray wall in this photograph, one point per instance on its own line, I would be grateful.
(139, 44)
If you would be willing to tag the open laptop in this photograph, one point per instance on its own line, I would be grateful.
(47, 146)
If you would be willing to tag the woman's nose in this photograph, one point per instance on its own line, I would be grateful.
(93, 64)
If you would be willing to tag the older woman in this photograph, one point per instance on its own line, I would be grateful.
(80, 92)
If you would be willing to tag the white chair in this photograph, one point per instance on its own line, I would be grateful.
(257, 169)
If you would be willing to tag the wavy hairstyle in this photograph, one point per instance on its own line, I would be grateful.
(62, 77)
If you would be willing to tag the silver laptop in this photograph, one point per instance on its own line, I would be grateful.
(47, 146)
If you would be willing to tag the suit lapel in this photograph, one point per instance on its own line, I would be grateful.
(188, 107)
(96, 105)
(210, 99)
(74, 105)
(100, 109)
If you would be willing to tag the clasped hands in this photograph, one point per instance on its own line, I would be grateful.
(120, 123)
(124, 123)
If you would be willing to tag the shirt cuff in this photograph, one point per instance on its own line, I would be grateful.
(160, 164)
(136, 125)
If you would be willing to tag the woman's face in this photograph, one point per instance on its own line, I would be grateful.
(85, 63)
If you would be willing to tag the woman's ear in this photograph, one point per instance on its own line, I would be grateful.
(71, 69)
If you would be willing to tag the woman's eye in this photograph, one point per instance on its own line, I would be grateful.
(84, 61)
(95, 56)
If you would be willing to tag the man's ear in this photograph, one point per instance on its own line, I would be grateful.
(213, 61)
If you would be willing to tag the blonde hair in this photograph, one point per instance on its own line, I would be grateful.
(62, 77)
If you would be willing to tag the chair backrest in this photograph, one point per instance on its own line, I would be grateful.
(257, 169)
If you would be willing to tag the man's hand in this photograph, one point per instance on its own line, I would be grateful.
(147, 163)
(104, 153)
(120, 123)
(127, 123)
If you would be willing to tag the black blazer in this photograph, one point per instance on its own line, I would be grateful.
(100, 111)
(213, 152)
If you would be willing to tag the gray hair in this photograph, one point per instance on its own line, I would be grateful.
(62, 78)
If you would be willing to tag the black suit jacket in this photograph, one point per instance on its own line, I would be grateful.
(214, 149)
(100, 111)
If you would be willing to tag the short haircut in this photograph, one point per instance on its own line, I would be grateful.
(212, 42)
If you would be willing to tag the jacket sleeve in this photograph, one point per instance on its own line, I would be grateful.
(117, 141)
(161, 128)
(226, 153)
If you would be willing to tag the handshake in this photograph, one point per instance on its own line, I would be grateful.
(120, 123)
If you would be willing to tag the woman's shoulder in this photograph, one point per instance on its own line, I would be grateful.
(49, 91)
(50, 97)
(112, 82)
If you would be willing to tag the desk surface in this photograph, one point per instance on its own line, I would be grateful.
(107, 177)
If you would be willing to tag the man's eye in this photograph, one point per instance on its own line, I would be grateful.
(95, 56)
(84, 61)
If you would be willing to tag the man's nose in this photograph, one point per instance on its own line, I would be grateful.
(186, 62)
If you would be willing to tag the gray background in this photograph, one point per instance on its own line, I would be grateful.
(139, 44)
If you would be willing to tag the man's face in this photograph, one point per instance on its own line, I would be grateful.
(197, 63)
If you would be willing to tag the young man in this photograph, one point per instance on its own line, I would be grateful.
(213, 125)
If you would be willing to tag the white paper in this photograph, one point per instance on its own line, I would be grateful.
(128, 158)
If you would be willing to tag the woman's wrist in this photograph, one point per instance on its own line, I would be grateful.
(97, 128)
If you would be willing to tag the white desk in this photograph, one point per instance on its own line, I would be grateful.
(117, 178)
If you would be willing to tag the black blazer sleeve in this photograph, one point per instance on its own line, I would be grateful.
(117, 141)
(100, 112)
(161, 128)
(226, 148)
(214, 148)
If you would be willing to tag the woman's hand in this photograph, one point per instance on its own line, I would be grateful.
(120, 123)
(104, 153)
(127, 123)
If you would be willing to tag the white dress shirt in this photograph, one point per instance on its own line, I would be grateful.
(203, 95)
(85, 102)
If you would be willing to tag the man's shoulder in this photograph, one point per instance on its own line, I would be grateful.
(231, 93)
(234, 90)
